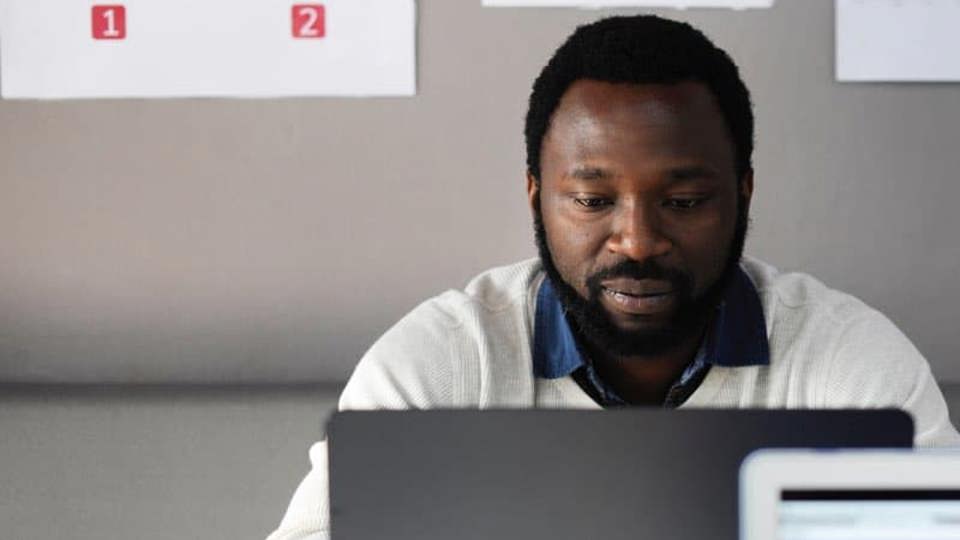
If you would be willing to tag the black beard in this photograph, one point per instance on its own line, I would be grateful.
(590, 322)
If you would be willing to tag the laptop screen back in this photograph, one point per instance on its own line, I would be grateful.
(622, 474)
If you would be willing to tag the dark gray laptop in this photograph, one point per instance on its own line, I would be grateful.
(638, 474)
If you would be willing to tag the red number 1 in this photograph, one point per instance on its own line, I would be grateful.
(308, 21)
(109, 22)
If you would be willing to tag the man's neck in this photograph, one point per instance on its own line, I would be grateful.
(646, 380)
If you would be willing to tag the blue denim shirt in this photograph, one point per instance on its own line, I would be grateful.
(737, 337)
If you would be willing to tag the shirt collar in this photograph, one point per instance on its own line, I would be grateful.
(737, 338)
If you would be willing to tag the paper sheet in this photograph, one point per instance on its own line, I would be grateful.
(680, 4)
(898, 40)
(181, 48)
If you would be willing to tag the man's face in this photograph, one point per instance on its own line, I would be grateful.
(640, 217)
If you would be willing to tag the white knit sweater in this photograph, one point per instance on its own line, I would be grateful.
(472, 349)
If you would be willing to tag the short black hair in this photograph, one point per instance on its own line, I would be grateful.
(641, 49)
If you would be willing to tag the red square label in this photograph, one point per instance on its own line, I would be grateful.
(308, 21)
(109, 22)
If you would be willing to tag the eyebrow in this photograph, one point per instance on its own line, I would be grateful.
(591, 173)
(690, 173)
(677, 174)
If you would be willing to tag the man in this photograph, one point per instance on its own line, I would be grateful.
(639, 143)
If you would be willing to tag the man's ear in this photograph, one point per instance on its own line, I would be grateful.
(746, 187)
(533, 193)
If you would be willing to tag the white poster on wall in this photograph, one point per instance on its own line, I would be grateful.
(185, 48)
(898, 40)
(679, 4)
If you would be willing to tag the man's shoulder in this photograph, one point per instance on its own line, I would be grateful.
(829, 349)
(831, 340)
(504, 286)
(452, 346)
(492, 292)
(791, 295)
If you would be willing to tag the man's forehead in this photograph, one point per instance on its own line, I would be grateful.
(648, 123)
(593, 100)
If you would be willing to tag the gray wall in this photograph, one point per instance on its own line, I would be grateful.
(224, 240)
(153, 462)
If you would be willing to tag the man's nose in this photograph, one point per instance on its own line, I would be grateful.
(638, 233)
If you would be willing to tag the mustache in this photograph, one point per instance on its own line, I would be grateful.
(638, 270)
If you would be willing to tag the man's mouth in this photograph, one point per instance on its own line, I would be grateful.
(639, 297)
(638, 287)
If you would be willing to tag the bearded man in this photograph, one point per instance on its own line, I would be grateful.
(639, 143)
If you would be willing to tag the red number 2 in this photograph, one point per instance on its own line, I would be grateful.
(308, 21)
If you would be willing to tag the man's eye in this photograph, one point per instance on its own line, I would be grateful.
(592, 202)
(682, 203)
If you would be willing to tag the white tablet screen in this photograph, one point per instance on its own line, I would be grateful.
(902, 514)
